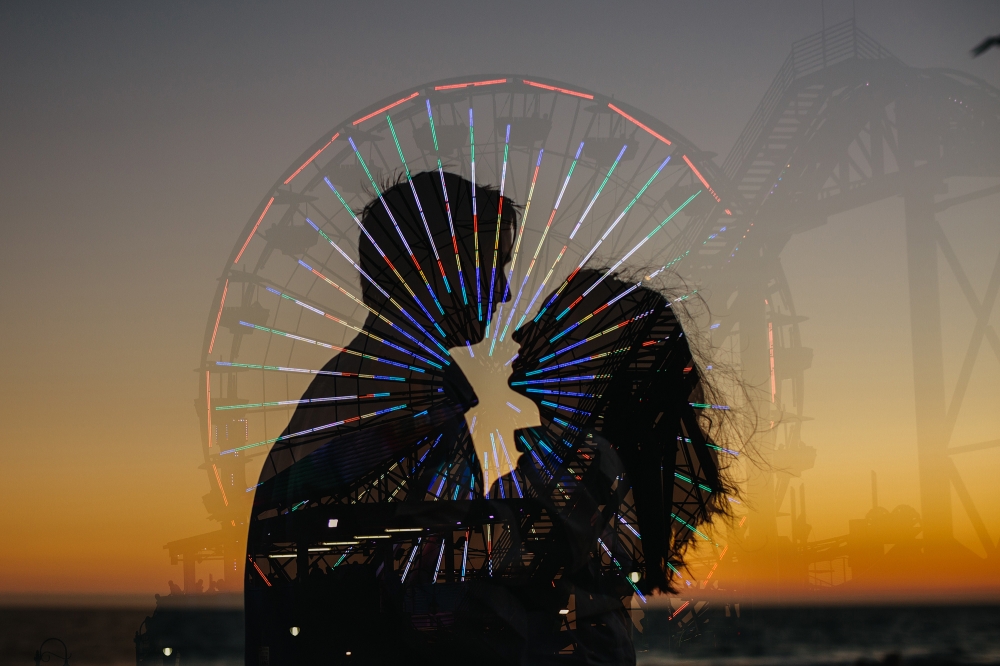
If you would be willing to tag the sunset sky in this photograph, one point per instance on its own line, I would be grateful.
(138, 139)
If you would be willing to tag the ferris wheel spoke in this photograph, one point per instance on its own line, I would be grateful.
(343, 350)
(413, 257)
(610, 329)
(305, 401)
(514, 254)
(377, 286)
(615, 267)
(420, 208)
(309, 371)
(353, 327)
(577, 361)
(447, 204)
(373, 311)
(594, 249)
(310, 431)
(541, 242)
(496, 239)
(475, 214)
(599, 190)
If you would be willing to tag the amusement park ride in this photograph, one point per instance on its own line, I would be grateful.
(844, 124)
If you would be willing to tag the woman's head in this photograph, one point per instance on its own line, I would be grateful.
(439, 207)
(609, 357)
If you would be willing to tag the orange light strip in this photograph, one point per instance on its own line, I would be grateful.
(677, 612)
(385, 108)
(218, 317)
(309, 161)
(254, 230)
(556, 89)
(636, 122)
(208, 403)
(263, 577)
(219, 479)
(453, 86)
(701, 178)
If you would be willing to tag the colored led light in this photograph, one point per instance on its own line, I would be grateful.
(564, 408)
(218, 317)
(309, 161)
(218, 478)
(701, 178)
(636, 122)
(304, 401)
(373, 282)
(517, 248)
(496, 238)
(577, 361)
(399, 232)
(208, 404)
(358, 329)
(253, 231)
(560, 379)
(423, 218)
(594, 336)
(385, 108)
(454, 86)
(373, 311)
(611, 271)
(608, 304)
(475, 215)
(599, 190)
(329, 373)
(312, 430)
(343, 350)
(544, 86)
(623, 213)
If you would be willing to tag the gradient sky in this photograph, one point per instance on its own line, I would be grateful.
(137, 140)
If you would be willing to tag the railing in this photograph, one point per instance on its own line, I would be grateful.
(840, 42)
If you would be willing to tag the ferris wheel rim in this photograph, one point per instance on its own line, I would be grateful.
(451, 85)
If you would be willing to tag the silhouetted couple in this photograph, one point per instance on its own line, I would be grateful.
(372, 530)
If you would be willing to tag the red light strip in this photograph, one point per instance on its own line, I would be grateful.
(677, 612)
(263, 577)
(254, 230)
(385, 108)
(219, 479)
(218, 317)
(556, 89)
(770, 345)
(701, 178)
(636, 122)
(453, 86)
(309, 161)
(208, 402)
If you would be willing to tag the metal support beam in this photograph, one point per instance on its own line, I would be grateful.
(928, 362)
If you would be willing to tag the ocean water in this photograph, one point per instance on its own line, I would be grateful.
(890, 635)
(939, 634)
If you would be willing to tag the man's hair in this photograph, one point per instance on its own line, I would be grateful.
(397, 212)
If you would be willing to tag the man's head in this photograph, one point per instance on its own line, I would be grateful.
(397, 213)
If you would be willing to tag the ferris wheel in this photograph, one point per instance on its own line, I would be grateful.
(599, 183)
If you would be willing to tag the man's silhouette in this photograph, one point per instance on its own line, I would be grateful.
(391, 390)
(394, 288)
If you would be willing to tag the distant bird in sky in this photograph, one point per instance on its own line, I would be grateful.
(985, 45)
